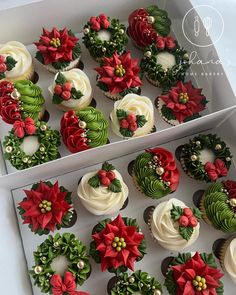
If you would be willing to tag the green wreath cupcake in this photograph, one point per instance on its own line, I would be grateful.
(165, 63)
(155, 173)
(46, 207)
(139, 282)
(117, 244)
(198, 274)
(218, 205)
(104, 36)
(29, 144)
(206, 157)
(20, 100)
(78, 269)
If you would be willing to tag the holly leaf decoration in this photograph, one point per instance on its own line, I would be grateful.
(60, 65)
(94, 181)
(170, 283)
(2, 75)
(141, 120)
(10, 62)
(115, 186)
(186, 232)
(126, 132)
(197, 213)
(167, 113)
(61, 79)
(121, 114)
(176, 212)
(102, 86)
(107, 166)
(76, 94)
(57, 99)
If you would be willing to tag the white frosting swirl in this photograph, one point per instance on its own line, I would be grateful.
(139, 105)
(80, 82)
(166, 59)
(21, 55)
(230, 260)
(100, 200)
(166, 231)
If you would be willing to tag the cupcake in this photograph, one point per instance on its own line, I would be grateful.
(181, 103)
(218, 205)
(103, 192)
(117, 244)
(174, 226)
(104, 36)
(31, 143)
(15, 62)
(118, 76)
(198, 274)
(147, 24)
(58, 50)
(165, 63)
(155, 173)
(84, 129)
(133, 116)
(78, 267)
(139, 282)
(20, 100)
(71, 90)
(46, 207)
(206, 157)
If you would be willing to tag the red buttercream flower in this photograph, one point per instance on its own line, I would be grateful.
(100, 22)
(167, 160)
(184, 100)
(230, 185)
(72, 134)
(185, 277)
(170, 42)
(119, 72)
(39, 216)
(56, 46)
(68, 285)
(160, 42)
(216, 169)
(112, 255)
(20, 127)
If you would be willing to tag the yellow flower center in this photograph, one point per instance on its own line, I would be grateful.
(45, 206)
(120, 71)
(199, 283)
(55, 42)
(183, 97)
(119, 244)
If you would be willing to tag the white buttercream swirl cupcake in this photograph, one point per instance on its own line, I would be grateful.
(132, 116)
(23, 68)
(103, 192)
(174, 226)
(71, 90)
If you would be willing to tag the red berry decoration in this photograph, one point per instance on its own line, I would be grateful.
(193, 221)
(184, 221)
(66, 95)
(105, 181)
(124, 123)
(187, 212)
(3, 68)
(111, 175)
(58, 89)
(133, 126)
(2, 59)
(67, 86)
(102, 173)
(131, 118)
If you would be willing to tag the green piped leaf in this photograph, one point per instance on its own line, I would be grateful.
(107, 166)
(94, 181)
(10, 62)
(61, 79)
(176, 212)
(186, 232)
(197, 213)
(126, 132)
(121, 114)
(141, 120)
(115, 186)
(76, 94)
(57, 99)
(167, 113)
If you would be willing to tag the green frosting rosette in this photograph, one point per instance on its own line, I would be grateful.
(20, 100)
(29, 144)
(84, 129)
(218, 205)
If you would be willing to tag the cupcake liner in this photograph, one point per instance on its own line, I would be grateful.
(159, 106)
(113, 97)
(185, 168)
(73, 64)
(154, 83)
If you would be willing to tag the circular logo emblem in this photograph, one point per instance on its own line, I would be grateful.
(204, 31)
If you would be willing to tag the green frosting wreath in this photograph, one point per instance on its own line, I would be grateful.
(191, 161)
(98, 48)
(139, 281)
(217, 208)
(60, 245)
(49, 140)
(155, 72)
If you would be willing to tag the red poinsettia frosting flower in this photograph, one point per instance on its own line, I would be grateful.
(119, 72)
(184, 100)
(9, 109)
(230, 185)
(39, 216)
(56, 46)
(187, 277)
(113, 256)
(168, 163)
(72, 133)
